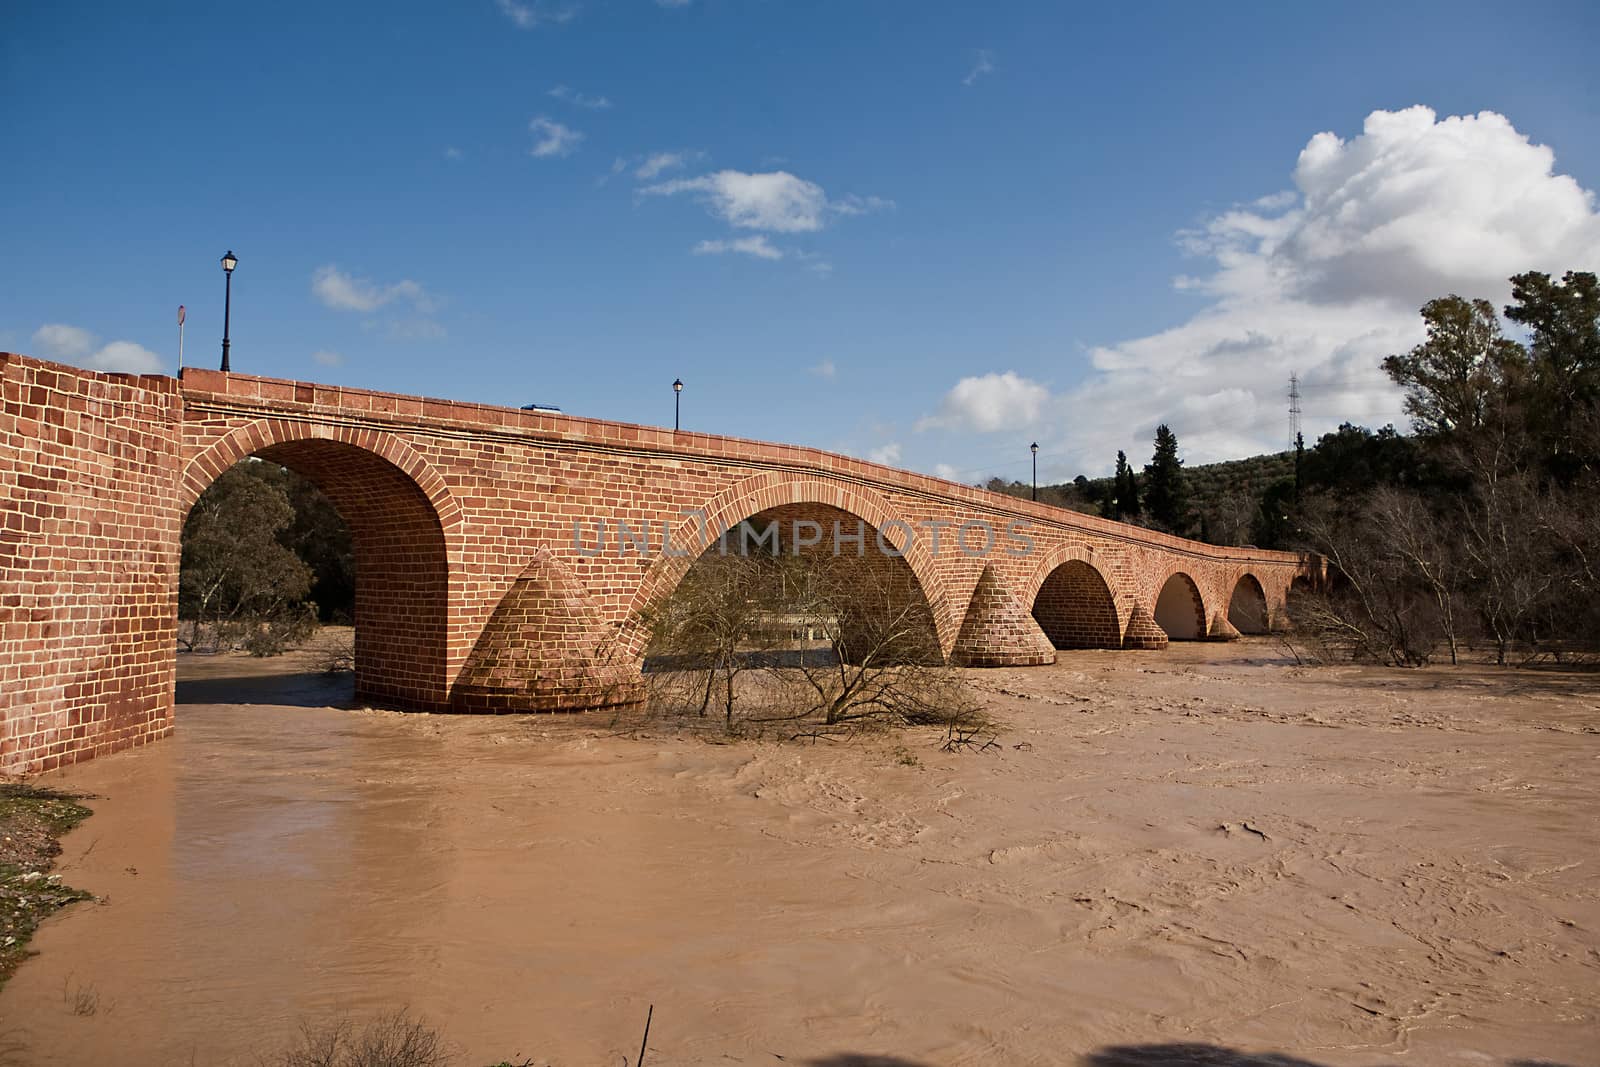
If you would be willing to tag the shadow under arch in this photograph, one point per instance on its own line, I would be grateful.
(1247, 606)
(1072, 601)
(402, 522)
(786, 496)
(1180, 610)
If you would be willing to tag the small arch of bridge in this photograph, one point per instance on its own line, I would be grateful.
(701, 529)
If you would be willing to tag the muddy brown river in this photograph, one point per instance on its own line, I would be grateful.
(1208, 847)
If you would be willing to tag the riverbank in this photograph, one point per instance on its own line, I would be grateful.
(33, 820)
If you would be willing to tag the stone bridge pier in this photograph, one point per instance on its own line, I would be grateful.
(504, 557)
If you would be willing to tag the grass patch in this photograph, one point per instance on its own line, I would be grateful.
(32, 820)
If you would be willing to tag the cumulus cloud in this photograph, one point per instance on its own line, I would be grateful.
(345, 292)
(988, 403)
(983, 65)
(58, 341)
(552, 139)
(757, 246)
(577, 99)
(1324, 281)
(888, 455)
(75, 345)
(776, 201)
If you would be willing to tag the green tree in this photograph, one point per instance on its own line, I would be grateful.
(1123, 501)
(1458, 378)
(237, 578)
(1166, 497)
(1563, 388)
(1353, 460)
(1273, 525)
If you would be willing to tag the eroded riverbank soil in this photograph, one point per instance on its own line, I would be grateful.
(1206, 846)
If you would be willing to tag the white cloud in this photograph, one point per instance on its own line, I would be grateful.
(983, 65)
(775, 201)
(988, 403)
(345, 292)
(673, 3)
(657, 163)
(125, 357)
(825, 369)
(572, 96)
(888, 455)
(551, 138)
(1326, 281)
(527, 16)
(945, 471)
(75, 345)
(327, 358)
(850, 204)
(452, 152)
(66, 343)
(757, 246)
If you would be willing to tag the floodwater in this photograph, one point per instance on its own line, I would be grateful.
(1208, 847)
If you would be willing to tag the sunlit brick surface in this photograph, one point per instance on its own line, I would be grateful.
(462, 514)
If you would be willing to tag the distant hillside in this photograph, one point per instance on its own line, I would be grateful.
(1224, 497)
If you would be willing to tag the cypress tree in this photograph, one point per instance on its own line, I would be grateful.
(1166, 495)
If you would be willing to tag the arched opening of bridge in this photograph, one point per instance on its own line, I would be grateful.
(1075, 608)
(396, 557)
(1179, 609)
(787, 563)
(1247, 608)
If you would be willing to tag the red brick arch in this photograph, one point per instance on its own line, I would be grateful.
(1202, 612)
(763, 492)
(1248, 610)
(225, 451)
(403, 521)
(1077, 622)
(1064, 553)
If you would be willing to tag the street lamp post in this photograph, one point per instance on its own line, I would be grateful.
(229, 262)
(1034, 448)
(677, 398)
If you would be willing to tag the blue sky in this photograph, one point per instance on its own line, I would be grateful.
(923, 232)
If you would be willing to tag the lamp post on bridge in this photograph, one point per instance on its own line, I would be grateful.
(229, 261)
(1034, 448)
(677, 398)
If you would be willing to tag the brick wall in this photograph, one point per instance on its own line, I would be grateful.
(463, 517)
(88, 561)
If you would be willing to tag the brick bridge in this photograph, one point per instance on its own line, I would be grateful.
(474, 593)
